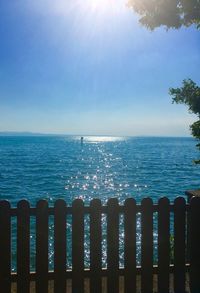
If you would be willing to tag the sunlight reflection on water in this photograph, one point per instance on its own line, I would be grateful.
(101, 167)
(97, 139)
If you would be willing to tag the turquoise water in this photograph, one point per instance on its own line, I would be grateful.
(53, 167)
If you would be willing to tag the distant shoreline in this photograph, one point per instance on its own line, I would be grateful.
(28, 134)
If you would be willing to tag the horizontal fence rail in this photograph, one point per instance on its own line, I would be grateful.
(126, 245)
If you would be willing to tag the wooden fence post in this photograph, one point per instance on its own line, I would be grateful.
(23, 246)
(42, 247)
(195, 245)
(5, 247)
(77, 246)
(179, 244)
(95, 246)
(60, 246)
(163, 245)
(113, 246)
(147, 246)
(130, 246)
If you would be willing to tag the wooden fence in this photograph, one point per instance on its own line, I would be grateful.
(186, 239)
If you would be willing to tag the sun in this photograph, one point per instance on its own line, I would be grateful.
(102, 6)
(99, 5)
(99, 8)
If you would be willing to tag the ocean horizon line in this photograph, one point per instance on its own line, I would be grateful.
(30, 133)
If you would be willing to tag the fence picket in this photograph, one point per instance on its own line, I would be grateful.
(60, 246)
(179, 244)
(113, 246)
(130, 246)
(23, 246)
(77, 246)
(194, 245)
(147, 246)
(42, 247)
(163, 245)
(5, 247)
(182, 213)
(95, 246)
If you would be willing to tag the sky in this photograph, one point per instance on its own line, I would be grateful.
(89, 68)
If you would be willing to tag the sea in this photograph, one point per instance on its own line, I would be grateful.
(66, 167)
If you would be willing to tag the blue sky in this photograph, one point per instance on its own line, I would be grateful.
(89, 67)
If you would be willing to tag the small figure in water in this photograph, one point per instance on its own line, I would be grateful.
(81, 139)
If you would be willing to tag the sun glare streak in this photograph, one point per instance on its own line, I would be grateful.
(89, 24)
(66, 7)
(102, 6)
(100, 139)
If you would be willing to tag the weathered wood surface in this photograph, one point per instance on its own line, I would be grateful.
(60, 247)
(179, 247)
(147, 246)
(113, 246)
(163, 245)
(5, 247)
(195, 245)
(130, 246)
(42, 247)
(115, 278)
(95, 246)
(77, 246)
(23, 246)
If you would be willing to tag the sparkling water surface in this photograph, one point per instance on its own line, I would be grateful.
(52, 167)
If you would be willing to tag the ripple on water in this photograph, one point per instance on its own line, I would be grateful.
(101, 167)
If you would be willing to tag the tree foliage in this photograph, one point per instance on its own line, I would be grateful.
(170, 13)
(174, 14)
(189, 94)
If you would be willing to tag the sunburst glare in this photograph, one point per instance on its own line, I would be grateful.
(98, 7)
(102, 6)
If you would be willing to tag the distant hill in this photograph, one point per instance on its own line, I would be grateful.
(15, 133)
